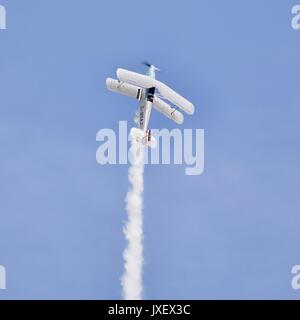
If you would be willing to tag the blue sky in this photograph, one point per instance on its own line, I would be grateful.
(232, 232)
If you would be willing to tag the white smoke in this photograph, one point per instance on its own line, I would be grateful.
(133, 254)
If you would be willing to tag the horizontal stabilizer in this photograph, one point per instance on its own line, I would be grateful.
(142, 137)
(167, 110)
(126, 89)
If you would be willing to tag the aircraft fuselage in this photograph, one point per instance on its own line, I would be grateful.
(146, 103)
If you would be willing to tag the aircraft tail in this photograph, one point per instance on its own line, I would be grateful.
(144, 137)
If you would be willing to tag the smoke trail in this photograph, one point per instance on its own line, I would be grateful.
(133, 254)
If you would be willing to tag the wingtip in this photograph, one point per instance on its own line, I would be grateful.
(118, 72)
(192, 111)
(180, 118)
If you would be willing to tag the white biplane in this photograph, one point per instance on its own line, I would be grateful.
(144, 88)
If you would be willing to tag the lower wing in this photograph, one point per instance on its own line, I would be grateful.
(167, 110)
(124, 88)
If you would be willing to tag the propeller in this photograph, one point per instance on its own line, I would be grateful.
(149, 65)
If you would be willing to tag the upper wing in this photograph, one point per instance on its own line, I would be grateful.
(148, 82)
(138, 79)
(168, 111)
(124, 88)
